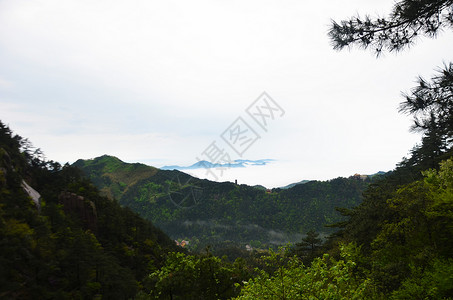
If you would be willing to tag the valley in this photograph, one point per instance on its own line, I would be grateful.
(208, 213)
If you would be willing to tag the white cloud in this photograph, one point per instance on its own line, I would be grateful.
(5, 84)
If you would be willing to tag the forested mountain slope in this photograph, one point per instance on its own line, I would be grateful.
(208, 212)
(68, 242)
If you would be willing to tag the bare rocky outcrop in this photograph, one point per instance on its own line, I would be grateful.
(81, 207)
(6, 166)
(34, 195)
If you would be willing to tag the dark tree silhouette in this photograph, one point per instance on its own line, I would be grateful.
(431, 102)
(408, 20)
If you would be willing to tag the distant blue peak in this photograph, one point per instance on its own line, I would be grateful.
(238, 163)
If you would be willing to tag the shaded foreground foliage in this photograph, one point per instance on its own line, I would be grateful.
(325, 278)
(50, 251)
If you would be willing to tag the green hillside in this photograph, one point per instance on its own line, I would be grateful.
(114, 177)
(209, 213)
(59, 239)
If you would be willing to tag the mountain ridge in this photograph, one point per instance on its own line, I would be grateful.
(213, 212)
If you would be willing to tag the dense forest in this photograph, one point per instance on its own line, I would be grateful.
(75, 244)
(212, 213)
(61, 239)
(71, 243)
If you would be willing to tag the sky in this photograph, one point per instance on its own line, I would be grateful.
(169, 82)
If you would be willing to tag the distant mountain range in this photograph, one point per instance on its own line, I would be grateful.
(203, 164)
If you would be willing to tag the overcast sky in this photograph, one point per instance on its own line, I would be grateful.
(159, 81)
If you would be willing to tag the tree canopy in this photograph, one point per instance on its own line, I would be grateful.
(408, 20)
(430, 102)
(84, 247)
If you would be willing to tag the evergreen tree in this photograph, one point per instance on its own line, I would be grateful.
(405, 220)
(431, 104)
(310, 242)
(408, 20)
